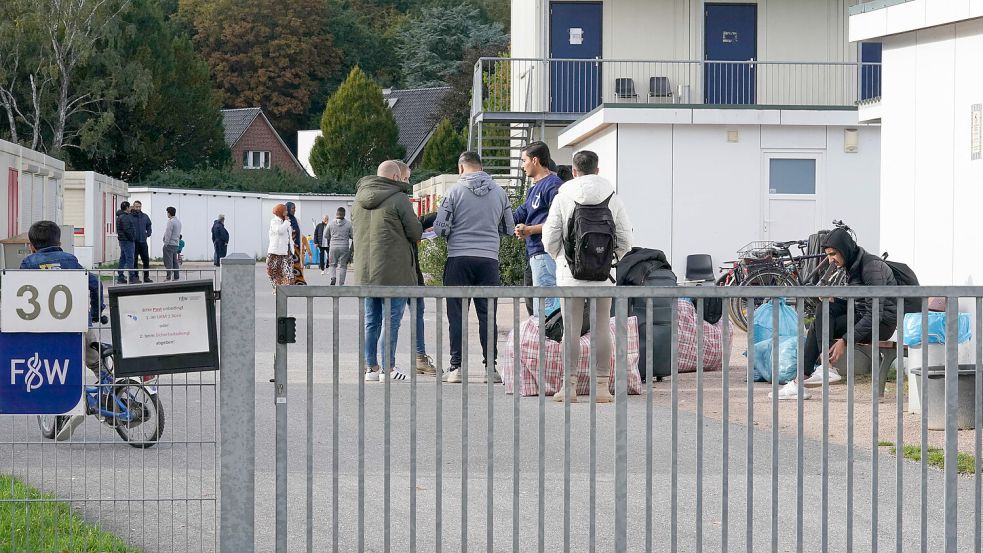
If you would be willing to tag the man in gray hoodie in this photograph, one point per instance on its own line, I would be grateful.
(473, 216)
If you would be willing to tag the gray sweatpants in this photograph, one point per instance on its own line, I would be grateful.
(338, 262)
(574, 309)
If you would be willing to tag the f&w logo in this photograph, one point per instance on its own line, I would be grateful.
(40, 374)
(36, 372)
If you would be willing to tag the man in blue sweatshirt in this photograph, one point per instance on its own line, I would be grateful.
(529, 218)
(473, 216)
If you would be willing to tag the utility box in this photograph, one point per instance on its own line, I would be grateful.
(13, 251)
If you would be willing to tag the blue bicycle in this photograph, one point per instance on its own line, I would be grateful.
(129, 405)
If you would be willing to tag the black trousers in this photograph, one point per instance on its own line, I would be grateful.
(837, 329)
(471, 271)
(323, 258)
(143, 253)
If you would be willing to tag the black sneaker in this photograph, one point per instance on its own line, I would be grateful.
(147, 281)
(121, 281)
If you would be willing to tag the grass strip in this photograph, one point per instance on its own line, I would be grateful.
(965, 462)
(48, 524)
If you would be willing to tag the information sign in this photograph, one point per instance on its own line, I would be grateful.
(44, 301)
(41, 374)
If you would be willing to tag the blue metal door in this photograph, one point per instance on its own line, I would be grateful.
(730, 35)
(870, 70)
(575, 34)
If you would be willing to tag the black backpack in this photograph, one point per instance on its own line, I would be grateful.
(904, 276)
(589, 246)
(713, 309)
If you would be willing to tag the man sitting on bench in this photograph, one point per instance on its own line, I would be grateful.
(863, 269)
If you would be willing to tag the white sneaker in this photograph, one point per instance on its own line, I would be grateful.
(791, 391)
(68, 427)
(372, 375)
(453, 376)
(395, 374)
(816, 379)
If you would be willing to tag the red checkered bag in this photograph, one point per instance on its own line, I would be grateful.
(686, 336)
(529, 361)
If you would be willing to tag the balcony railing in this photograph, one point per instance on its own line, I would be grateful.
(569, 86)
(863, 6)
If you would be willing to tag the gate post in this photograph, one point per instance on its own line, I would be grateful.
(237, 421)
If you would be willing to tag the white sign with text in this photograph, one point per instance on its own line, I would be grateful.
(44, 301)
(163, 324)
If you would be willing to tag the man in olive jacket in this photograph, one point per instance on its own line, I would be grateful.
(385, 230)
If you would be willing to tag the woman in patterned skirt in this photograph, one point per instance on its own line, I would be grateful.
(278, 266)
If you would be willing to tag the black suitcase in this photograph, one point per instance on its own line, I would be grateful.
(647, 267)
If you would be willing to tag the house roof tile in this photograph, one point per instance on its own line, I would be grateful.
(416, 111)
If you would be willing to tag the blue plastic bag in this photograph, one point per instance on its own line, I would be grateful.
(936, 328)
(788, 321)
(788, 349)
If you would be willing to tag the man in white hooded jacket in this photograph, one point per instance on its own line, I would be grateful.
(587, 188)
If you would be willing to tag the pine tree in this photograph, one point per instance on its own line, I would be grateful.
(358, 131)
(443, 149)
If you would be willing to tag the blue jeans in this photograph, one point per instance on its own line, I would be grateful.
(127, 257)
(374, 346)
(421, 343)
(544, 274)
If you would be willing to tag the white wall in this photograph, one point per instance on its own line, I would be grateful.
(305, 143)
(91, 200)
(689, 191)
(247, 217)
(38, 192)
(930, 189)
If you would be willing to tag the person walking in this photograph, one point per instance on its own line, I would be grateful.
(220, 239)
(126, 234)
(321, 241)
(296, 250)
(385, 228)
(587, 189)
(530, 215)
(339, 247)
(143, 229)
(172, 242)
(278, 266)
(472, 216)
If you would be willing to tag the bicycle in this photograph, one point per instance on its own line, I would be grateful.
(124, 404)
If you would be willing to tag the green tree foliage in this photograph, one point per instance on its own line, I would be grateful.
(268, 181)
(443, 149)
(273, 55)
(358, 131)
(177, 124)
(434, 43)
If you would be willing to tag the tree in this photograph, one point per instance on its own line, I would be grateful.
(358, 131)
(443, 149)
(178, 123)
(434, 43)
(274, 55)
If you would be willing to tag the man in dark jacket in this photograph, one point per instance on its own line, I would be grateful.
(220, 239)
(126, 234)
(143, 229)
(863, 269)
(321, 243)
(385, 230)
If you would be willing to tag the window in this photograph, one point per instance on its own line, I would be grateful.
(256, 160)
(792, 176)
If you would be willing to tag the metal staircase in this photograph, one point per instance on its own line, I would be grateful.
(500, 143)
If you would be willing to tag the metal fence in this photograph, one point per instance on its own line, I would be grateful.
(578, 86)
(61, 495)
(703, 460)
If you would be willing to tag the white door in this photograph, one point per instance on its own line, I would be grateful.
(791, 195)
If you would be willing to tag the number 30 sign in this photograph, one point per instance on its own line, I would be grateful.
(44, 301)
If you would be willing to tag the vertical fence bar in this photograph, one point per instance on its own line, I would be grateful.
(825, 444)
(361, 421)
(335, 412)
(776, 303)
(875, 369)
(674, 425)
(465, 364)
(309, 516)
(978, 431)
(439, 455)
(749, 460)
(851, 307)
(592, 546)
(951, 468)
(699, 424)
(621, 431)
(386, 373)
(541, 366)
(648, 422)
(516, 392)
(725, 433)
(237, 412)
(491, 357)
(414, 306)
(280, 394)
(923, 402)
(799, 425)
(899, 430)
(569, 357)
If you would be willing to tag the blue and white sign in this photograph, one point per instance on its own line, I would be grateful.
(41, 374)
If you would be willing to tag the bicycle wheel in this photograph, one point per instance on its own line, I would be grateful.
(738, 306)
(140, 417)
(47, 424)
